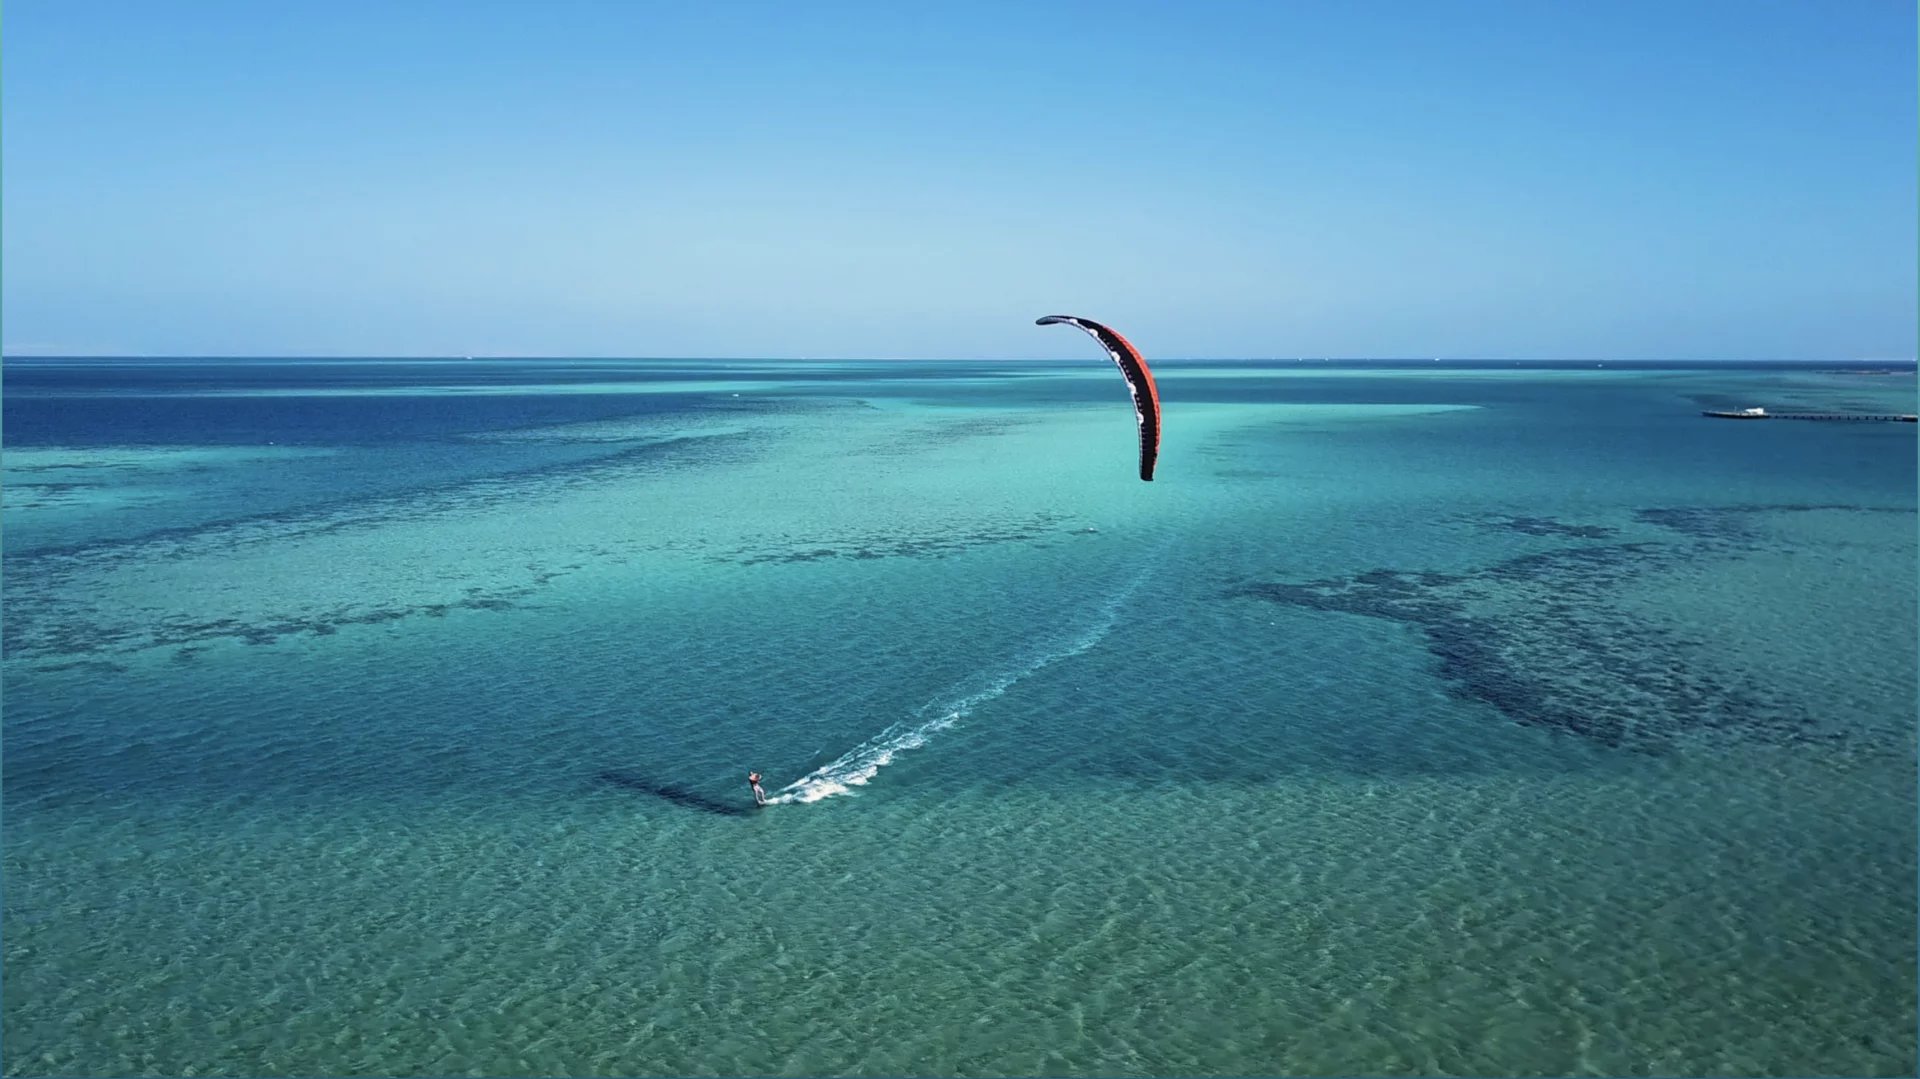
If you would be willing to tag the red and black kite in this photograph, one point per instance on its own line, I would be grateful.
(1146, 399)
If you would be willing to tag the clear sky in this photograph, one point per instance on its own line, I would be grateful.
(1458, 178)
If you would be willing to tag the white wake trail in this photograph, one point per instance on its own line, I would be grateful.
(857, 766)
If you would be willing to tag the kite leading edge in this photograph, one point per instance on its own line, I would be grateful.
(1146, 398)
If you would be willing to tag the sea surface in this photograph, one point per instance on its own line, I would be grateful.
(393, 717)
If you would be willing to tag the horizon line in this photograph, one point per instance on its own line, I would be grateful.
(461, 358)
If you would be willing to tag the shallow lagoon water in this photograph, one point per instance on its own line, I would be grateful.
(393, 719)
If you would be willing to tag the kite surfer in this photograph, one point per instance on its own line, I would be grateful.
(759, 796)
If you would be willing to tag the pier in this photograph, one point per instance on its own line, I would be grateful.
(1763, 414)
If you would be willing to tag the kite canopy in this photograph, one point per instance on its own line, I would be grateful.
(1146, 399)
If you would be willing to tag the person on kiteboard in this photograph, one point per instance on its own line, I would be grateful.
(759, 796)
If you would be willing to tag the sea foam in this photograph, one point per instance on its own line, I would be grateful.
(857, 766)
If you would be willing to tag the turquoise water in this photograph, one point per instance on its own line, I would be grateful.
(393, 718)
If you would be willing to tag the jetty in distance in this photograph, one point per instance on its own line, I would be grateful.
(1763, 414)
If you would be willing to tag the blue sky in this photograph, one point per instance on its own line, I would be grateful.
(1423, 178)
